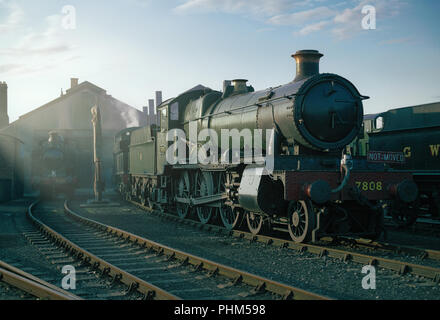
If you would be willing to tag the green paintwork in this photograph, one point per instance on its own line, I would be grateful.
(142, 152)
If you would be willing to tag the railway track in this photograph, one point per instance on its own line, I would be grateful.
(422, 226)
(148, 269)
(431, 272)
(32, 285)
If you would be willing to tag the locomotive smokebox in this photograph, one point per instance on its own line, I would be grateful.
(307, 63)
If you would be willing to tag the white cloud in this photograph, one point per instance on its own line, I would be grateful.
(314, 27)
(348, 22)
(4, 68)
(49, 41)
(301, 17)
(261, 8)
(13, 18)
(342, 19)
(37, 50)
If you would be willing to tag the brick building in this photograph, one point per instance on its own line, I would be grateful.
(70, 116)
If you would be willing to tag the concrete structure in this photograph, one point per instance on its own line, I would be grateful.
(70, 116)
(4, 118)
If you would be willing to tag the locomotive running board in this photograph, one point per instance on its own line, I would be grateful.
(202, 200)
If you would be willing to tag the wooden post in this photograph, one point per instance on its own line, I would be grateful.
(97, 147)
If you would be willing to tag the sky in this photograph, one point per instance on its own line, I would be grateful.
(133, 48)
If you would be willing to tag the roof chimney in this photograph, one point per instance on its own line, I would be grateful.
(307, 63)
(158, 98)
(151, 114)
(4, 119)
(73, 82)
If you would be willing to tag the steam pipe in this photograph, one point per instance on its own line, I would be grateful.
(346, 165)
(345, 181)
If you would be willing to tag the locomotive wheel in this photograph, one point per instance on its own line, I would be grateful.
(183, 191)
(302, 220)
(142, 195)
(229, 216)
(255, 222)
(404, 215)
(204, 187)
(204, 214)
(143, 199)
(121, 189)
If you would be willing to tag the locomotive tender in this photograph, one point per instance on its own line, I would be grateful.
(314, 189)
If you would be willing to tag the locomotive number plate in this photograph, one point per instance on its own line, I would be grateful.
(369, 185)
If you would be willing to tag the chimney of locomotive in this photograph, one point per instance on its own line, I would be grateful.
(239, 86)
(307, 63)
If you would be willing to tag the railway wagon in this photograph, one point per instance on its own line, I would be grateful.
(299, 179)
(415, 132)
(11, 168)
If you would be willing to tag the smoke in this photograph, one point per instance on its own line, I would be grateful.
(130, 115)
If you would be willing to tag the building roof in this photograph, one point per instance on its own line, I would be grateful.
(69, 92)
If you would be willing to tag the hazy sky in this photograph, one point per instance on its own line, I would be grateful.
(133, 48)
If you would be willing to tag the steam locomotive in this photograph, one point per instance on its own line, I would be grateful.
(414, 132)
(302, 179)
(54, 168)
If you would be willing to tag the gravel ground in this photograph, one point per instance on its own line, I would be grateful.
(326, 276)
(409, 258)
(8, 292)
(16, 250)
(408, 237)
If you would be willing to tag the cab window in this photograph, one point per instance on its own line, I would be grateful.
(164, 119)
(378, 124)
